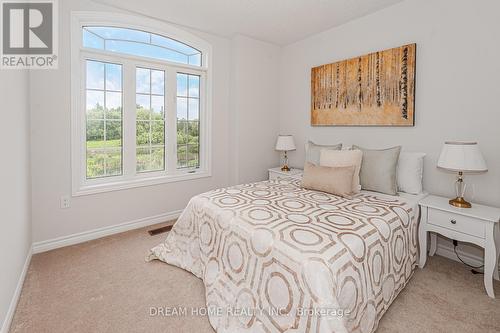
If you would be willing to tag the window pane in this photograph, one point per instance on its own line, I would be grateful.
(157, 107)
(182, 81)
(157, 159)
(143, 107)
(181, 156)
(104, 113)
(143, 159)
(117, 143)
(142, 133)
(150, 121)
(95, 75)
(194, 86)
(172, 44)
(195, 59)
(194, 109)
(104, 155)
(158, 133)
(113, 105)
(120, 33)
(150, 159)
(113, 133)
(193, 156)
(182, 137)
(143, 81)
(140, 43)
(188, 114)
(91, 40)
(95, 163)
(123, 40)
(95, 104)
(182, 108)
(95, 133)
(114, 162)
(113, 77)
(158, 82)
(193, 132)
(145, 50)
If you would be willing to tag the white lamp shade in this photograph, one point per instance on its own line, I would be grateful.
(462, 156)
(285, 143)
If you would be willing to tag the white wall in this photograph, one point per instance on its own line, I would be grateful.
(456, 84)
(15, 180)
(254, 108)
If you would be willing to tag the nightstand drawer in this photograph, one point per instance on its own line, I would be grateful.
(459, 223)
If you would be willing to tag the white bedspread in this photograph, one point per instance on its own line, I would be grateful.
(278, 258)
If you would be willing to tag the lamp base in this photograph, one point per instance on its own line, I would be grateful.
(285, 168)
(460, 203)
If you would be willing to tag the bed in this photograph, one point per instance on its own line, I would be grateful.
(275, 257)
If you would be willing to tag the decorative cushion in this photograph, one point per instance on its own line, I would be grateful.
(334, 180)
(410, 172)
(313, 151)
(343, 158)
(379, 170)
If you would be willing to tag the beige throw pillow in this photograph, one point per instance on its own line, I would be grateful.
(344, 158)
(337, 181)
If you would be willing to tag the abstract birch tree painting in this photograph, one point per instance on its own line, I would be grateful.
(377, 89)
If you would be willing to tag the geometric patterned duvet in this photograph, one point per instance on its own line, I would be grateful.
(278, 258)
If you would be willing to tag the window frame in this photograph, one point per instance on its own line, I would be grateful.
(130, 178)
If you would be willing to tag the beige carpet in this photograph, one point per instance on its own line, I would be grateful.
(105, 286)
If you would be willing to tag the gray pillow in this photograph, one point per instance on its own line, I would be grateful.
(313, 151)
(379, 170)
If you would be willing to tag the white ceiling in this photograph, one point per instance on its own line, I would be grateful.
(277, 21)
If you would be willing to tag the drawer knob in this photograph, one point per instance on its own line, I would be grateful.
(453, 221)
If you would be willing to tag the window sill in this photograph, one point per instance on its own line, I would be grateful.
(139, 182)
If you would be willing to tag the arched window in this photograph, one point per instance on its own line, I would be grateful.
(140, 103)
(140, 43)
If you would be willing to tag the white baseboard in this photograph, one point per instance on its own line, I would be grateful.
(17, 293)
(85, 236)
(446, 250)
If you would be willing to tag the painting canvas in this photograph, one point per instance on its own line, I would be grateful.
(377, 89)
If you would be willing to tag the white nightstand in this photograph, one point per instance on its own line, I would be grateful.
(275, 173)
(478, 225)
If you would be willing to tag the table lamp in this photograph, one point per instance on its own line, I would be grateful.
(285, 143)
(461, 157)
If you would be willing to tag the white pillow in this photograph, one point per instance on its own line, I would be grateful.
(344, 158)
(410, 172)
